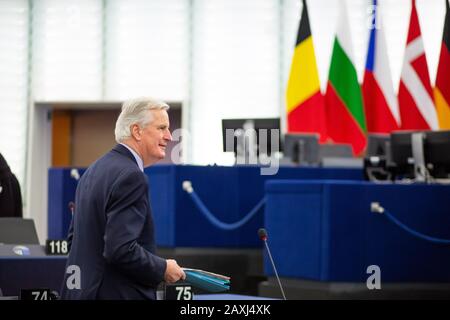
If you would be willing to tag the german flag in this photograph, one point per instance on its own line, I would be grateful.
(305, 103)
(442, 88)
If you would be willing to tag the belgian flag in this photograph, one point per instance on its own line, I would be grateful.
(442, 88)
(305, 103)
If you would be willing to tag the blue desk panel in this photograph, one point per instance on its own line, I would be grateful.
(229, 192)
(324, 230)
(61, 191)
(31, 273)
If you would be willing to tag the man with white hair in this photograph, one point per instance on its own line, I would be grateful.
(111, 237)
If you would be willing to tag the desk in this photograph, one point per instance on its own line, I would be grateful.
(229, 192)
(324, 230)
(29, 272)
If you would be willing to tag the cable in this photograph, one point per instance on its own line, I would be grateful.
(187, 186)
(376, 207)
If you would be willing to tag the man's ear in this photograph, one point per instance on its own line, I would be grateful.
(136, 132)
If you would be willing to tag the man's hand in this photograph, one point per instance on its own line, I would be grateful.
(173, 272)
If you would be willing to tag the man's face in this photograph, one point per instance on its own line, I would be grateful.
(155, 137)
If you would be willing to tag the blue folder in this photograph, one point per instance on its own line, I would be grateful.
(207, 281)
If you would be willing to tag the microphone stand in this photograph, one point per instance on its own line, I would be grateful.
(263, 236)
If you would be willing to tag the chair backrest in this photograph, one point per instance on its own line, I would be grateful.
(18, 231)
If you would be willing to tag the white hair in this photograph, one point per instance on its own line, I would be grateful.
(135, 111)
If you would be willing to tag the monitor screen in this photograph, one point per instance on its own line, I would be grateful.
(239, 129)
(301, 148)
(377, 144)
(437, 153)
(402, 161)
(18, 231)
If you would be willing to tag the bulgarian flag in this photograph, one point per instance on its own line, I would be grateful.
(442, 88)
(380, 101)
(415, 97)
(305, 105)
(344, 103)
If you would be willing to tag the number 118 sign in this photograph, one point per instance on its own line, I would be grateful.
(56, 247)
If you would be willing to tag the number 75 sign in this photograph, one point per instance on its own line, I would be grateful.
(178, 291)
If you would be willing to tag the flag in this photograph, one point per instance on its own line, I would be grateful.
(305, 105)
(417, 110)
(344, 105)
(380, 101)
(442, 88)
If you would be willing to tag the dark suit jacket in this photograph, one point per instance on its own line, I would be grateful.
(10, 196)
(111, 237)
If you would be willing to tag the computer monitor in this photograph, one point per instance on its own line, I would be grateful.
(335, 150)
(401, 162)
(377, 144)
(238, 137)
(437, 153)
(377, 157)
(301, 148)
(18, 231)
(434, 150)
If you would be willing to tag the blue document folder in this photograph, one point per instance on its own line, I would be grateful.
(207, 281)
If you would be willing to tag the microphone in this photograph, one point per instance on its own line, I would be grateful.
(75, 174)
(71, 207)
(262, 233)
